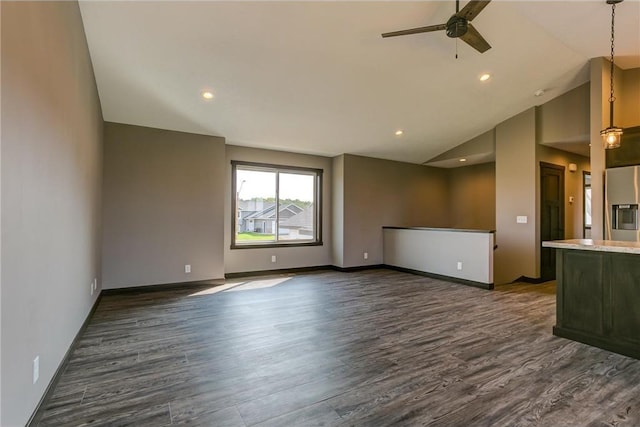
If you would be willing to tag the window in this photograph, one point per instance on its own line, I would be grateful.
(586, 184)
(275, 205)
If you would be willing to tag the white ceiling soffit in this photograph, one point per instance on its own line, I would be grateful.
(471, 159)
(316, 77)
(581, 148)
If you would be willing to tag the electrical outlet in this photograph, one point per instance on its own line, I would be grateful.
(91, 287)
(95, 284)
(187, 268)
(366, 255)
(273, 258)
(36, 369)
(459, 265)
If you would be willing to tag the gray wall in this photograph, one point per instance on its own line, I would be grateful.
(0, 215)
(337, 211)
(516, 196)
(629, 95)
(599, 119)
(472, 196)
(383, 192)
(519, 151)
(565, 119)
(162, 206)
(51, 172)
(480, 149)
(244, 260)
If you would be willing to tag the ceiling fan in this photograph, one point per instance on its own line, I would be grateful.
(458, 26)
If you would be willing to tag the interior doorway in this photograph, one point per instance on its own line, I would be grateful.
(551, 215)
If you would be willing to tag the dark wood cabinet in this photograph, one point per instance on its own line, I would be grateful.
(598, 299)
(625, 299)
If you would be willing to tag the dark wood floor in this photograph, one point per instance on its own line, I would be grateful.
(373, 348)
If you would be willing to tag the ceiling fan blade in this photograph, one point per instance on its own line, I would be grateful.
(473, 38)
(416, 30)
(472, 9)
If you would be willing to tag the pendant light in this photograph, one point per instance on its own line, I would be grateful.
(612, 135)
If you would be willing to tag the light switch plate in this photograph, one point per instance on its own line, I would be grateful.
(521, 219)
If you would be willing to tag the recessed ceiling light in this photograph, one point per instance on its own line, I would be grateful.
(485, 77)
(399, 132)
(463, 160)
(207, 95)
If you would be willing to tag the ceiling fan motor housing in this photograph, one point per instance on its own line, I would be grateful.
(457, 26)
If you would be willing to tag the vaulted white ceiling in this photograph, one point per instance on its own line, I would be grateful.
(316, 77)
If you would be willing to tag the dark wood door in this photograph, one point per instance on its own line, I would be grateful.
(551, 215)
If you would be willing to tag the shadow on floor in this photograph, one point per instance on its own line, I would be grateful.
(545, 288)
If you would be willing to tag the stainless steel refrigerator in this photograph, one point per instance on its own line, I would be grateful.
(621, 201)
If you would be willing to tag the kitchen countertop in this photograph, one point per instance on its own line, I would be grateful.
(463, 230)
(595, 245)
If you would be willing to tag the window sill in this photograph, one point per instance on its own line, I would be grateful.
(274, 245)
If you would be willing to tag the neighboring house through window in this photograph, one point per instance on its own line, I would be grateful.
(275, 205)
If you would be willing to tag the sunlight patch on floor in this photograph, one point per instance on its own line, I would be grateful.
(241, 285)
(259, 284)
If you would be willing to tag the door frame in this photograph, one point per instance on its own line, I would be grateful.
(540, 208)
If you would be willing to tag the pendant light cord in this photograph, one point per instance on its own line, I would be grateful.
(611, 97)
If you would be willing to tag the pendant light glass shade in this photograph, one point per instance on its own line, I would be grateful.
(611, 137)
